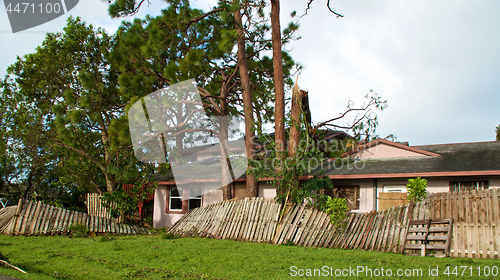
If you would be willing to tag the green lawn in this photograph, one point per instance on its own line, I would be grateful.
(152, 257)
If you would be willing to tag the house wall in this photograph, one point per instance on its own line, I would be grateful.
(212, 194)
(266, 190)
(160, 218)
(366, 193)
(385, 151)
(434, 185)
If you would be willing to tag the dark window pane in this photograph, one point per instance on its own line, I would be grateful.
(175, 204)
(194, 203)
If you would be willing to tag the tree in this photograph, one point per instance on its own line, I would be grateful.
(186, 43)
(71, 104)
(498, 133)
(279, 87)
(417, 189)
(251, 182)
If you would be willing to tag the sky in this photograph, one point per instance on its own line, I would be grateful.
(437, 63)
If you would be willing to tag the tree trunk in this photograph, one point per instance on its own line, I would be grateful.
(110, 182)
(251, 184)
(180, 117)
(293, 142)
(225, 163)
(279, 87)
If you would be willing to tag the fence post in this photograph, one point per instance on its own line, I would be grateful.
(410, 209)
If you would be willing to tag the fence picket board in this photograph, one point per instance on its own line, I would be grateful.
(320, 226)
(286, 224)
(496, 215)
(36, 218)
(307, 228)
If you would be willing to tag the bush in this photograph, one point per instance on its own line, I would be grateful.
(337, 208)
(417, 189)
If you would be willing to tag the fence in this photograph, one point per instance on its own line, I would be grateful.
(250, 219)
(475, 234)
(36, 218)
(476, 225)
(256, 219)
(95, 207)
(391, 199)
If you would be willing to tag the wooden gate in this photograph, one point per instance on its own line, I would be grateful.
(391, 199)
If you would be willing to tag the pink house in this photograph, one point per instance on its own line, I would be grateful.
(360, 176)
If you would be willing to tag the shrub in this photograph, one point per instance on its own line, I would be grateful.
(417, 189)
(337, 208)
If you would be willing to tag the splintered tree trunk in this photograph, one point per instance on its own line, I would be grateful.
(251, 184)
(279, 87)
(294, 140)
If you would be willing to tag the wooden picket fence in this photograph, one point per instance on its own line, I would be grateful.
(391, 199)
(37, 218)
(252, 219)
(95, 207)
(476, 221)
(381, 231)
(256, 219)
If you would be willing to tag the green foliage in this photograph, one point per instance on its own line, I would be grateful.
(123, 202)
(310, 191)
(417, 189)
(497, 130)
(337, 208)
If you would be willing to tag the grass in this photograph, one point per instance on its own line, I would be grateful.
(162, 257)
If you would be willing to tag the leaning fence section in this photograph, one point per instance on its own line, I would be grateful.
(252, 219)
(381, 231)
(37, 218)
(476, 221)
(256, 219)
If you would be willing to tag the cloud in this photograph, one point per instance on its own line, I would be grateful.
(436, 62)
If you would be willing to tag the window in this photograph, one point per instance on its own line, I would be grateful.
(175, 199)
(192, 195)
(394, 188)
(350, 193)
(468, 185)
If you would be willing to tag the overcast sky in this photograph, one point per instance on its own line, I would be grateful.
(436, 62)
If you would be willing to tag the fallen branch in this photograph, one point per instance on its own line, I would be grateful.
(14, 267)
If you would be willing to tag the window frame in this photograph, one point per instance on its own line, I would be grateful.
(200, 197)
(484, 185)
(357, 195)
(185, 202)
(170, 197)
